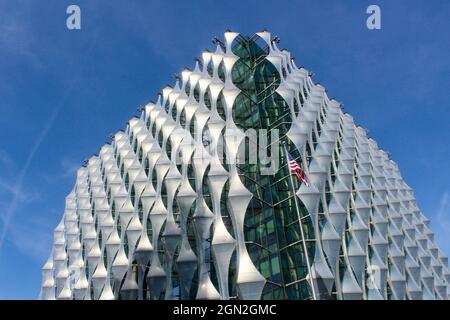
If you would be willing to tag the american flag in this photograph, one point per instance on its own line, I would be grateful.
(295, 168)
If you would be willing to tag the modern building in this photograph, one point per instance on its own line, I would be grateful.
(172, 208)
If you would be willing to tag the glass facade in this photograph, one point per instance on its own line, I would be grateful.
(272, 228)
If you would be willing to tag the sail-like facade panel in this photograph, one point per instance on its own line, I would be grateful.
(172, 208)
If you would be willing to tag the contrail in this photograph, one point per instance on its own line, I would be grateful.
(23, 172)
(18, 185)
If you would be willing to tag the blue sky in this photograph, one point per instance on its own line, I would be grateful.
(63, 92)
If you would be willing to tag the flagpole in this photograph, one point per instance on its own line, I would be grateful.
(300, 225)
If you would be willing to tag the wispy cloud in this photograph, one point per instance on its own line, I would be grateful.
(31, 237)
(442, 223)
(16, 34)
(68, 169)
(168, 42)
(5, 159)
(22, 194)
